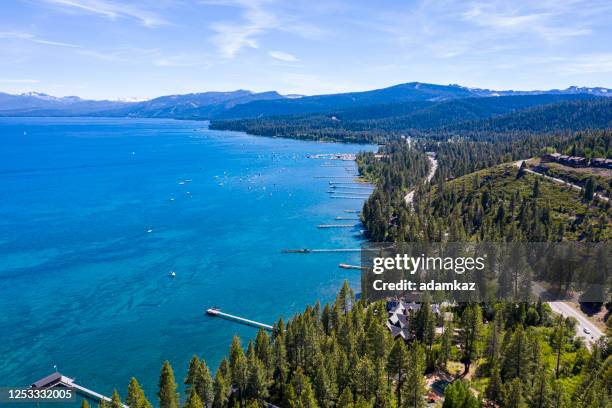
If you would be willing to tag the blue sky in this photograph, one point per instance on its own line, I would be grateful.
(141, 49)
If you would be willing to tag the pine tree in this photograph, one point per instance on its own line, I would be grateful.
(513, 395)
(205, 385)
(396, 366)
(458, 395)
(414, 386)
(362, 403)
(116, 400)
(346, 399)
(300, 393)
(222, 385)
(516, 356)
(193, 400)
(325, 387)
(364, 379)
(263, 348)
(446, 343)
(238, 367)
(470, 333)
(558, 340)
(494, 389)
(257, 382)
(192, 373)
(541, 393)
(167, 395)
(135, 396)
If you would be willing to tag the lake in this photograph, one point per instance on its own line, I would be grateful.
(96, 213)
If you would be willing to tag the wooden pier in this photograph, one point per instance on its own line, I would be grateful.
(347, 218)
(322, 250)
(352, 187)
(58, 380)
(334, 177)
(337, 225)
(348, 266)
(218, 313)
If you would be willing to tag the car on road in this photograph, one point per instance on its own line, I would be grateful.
(586, 331)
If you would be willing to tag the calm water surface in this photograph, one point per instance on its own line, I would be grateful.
(85, 286)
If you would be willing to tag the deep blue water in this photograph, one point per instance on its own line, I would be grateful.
(84, 286)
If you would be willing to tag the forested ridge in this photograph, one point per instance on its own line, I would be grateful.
(472, 118)
(342, 355)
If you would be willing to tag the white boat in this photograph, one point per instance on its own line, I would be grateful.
(172, 274)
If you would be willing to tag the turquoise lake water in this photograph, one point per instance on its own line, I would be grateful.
(86, 287)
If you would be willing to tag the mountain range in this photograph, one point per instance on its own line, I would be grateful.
(243, 104)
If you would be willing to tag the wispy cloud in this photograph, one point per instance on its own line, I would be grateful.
(282, 56)
(18, 81)
(112, 10)
(587, 64)
(552, 21)
(19, 35)
(231, 37)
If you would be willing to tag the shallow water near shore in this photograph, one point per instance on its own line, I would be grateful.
(96, 213)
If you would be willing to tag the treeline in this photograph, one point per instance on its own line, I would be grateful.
(343, 355)
(478, 119)
(394, 171)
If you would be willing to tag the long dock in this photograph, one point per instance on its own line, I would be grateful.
(349, 197)
(347, 266)
(57, 379)
(218, 313)
(337, 225)
(356, 183)
(334, 177)
(352, 187)
(347, 218)
(355, 193)
(322, 250)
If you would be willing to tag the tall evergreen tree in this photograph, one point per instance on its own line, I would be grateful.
(116, 400)
(414, 386)
(136, 396)
(193, 400)
(346, 399)
(167, 395)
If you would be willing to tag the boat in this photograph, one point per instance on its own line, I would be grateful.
(172, 274)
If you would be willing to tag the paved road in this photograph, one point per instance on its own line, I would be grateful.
(566, 309)
(408, 198)
(559, 181)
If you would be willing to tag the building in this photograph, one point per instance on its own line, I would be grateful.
(602, 163)
(400, 316)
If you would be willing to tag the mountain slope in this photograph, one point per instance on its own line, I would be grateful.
(33, 103)
(441, 119)
(413, 91)
(191, 106)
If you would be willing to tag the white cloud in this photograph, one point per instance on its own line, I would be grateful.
(18, 81)
(112, 10)
(19, 35)
(282, 56)
(231, 37)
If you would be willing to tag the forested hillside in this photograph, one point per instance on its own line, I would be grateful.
(474, 118)
(342, 355)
